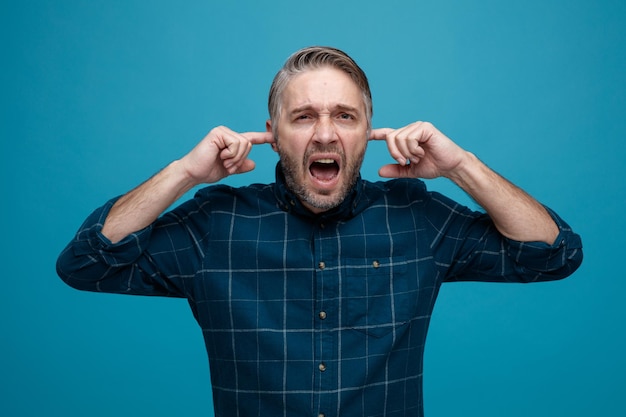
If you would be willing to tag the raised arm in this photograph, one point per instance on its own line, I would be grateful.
(422, 151)
(221, 153)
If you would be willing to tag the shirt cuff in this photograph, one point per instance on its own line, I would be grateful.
(90, 240)
(566, 251)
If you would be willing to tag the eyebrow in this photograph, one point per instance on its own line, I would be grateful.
(340, 107)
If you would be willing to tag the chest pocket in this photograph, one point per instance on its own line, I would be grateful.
(377, 295)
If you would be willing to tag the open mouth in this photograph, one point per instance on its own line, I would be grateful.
(324, 169)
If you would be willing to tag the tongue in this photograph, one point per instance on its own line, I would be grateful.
(324, 172)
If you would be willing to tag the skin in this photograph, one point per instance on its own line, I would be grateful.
(431, 154)
(323, 119)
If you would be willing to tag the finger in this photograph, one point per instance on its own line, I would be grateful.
(240, 162)
(243, 151)
(380, 134)
(235, 152)
(396, 148)
(411, 149)
(402, 144)
(257, 138)
(231, 145)
(388, 134)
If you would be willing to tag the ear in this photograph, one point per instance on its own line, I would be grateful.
(268, 128)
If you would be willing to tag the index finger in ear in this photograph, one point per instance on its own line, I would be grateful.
(257, 138)
(380, 134)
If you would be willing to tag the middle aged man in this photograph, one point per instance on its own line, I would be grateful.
(314, 293)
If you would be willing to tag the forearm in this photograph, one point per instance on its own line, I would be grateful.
(143, 205)
(516, 214)
(91, 263)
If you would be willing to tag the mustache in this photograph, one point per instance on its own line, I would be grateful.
(321, 148)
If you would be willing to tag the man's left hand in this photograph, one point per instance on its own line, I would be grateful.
(421, 150)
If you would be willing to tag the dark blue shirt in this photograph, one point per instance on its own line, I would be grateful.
(307, 315)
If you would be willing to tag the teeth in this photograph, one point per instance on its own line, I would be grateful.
(325, 161)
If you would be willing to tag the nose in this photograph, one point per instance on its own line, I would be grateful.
(325, 130)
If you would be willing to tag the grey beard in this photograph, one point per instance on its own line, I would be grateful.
(291, 167)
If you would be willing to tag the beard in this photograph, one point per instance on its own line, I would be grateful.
(321, 200)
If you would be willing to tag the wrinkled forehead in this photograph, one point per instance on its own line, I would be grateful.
(322, 88)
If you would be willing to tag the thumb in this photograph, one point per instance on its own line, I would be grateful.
(246, 166)
(394, 171)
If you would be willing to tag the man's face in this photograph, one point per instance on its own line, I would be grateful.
(321, 136)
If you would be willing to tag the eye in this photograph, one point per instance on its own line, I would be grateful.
(346, 116)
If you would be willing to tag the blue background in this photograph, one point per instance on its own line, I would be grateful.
(99, 95)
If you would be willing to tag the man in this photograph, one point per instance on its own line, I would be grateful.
(314, 293)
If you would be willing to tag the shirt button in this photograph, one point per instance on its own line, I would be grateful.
(376, 264)
(321, 367)
(321, 265)
(322, 315)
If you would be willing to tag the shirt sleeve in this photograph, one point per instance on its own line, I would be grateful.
(468, 247)
(144, 263)
(542, 261)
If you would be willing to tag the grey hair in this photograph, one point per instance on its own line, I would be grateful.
(316, 57)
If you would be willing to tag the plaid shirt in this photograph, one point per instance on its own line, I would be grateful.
(311, 315)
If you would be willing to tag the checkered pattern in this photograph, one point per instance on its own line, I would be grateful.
(306, 315)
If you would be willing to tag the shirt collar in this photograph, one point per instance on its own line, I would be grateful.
(289, 202)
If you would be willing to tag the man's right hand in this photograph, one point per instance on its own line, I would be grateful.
(221, 153)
